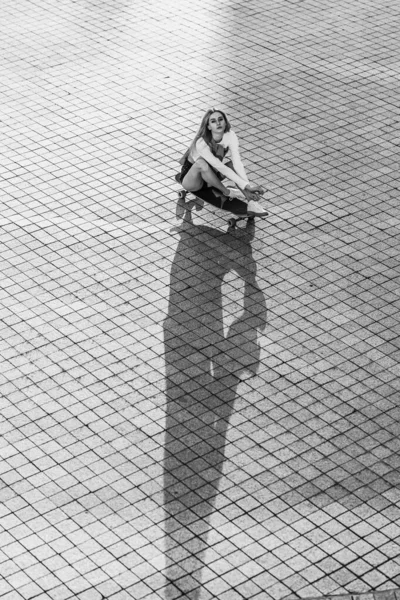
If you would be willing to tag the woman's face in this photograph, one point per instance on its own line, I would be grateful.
(216, 124)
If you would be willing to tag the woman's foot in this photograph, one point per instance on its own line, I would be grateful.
(234, 193)
(254, 209)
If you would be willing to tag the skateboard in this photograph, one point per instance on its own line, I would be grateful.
(235, 206)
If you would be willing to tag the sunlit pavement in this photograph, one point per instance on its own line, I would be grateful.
(188, 412)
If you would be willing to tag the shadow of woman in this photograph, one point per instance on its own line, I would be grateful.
(203, 369)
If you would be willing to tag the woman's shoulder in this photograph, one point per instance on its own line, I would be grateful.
(201, 143)
(229, 137)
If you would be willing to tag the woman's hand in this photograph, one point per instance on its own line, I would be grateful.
(253, 192)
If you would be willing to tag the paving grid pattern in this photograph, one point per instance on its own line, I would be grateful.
(187, 413)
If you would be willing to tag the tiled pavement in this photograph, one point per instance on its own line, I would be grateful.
(186, 412)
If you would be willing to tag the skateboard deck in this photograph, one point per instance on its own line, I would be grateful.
(235, 206)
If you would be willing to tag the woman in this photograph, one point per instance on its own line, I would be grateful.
(205, 162)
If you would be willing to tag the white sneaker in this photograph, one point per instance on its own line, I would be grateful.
(234, 193)
(254, 209)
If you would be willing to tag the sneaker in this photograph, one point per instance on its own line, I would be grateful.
(254, 209)
(234, 193)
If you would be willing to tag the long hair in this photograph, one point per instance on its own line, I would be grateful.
(205, 133)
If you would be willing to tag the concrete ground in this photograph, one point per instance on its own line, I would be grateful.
(188, 412)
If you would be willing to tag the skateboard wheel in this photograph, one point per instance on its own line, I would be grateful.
(182, 194)
(232, 223)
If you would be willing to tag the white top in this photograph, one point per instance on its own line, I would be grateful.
(229, 141)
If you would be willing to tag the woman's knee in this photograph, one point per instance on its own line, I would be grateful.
(202, 165)
(194, 179)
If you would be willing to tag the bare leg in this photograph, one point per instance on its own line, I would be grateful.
(202, 172)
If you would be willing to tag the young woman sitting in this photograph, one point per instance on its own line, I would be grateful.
(213, 156)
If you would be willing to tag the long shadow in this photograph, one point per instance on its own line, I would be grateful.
(203, 369)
